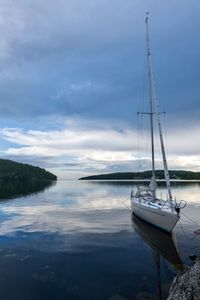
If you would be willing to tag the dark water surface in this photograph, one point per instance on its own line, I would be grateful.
(77, 240)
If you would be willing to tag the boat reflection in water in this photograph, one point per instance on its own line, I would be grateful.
(163, 245)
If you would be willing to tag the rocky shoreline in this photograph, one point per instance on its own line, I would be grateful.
(186, 286)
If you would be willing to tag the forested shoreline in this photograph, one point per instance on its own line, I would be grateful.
(174, 174)
(15, 171)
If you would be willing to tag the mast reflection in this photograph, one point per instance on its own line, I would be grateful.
(161, 242)
(163, 245)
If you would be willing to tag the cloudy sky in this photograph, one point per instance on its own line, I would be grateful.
(73, 76)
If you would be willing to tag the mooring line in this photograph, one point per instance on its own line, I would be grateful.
(124, 201)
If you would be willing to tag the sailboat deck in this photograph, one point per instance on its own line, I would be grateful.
(149, 202)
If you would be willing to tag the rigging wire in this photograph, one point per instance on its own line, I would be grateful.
(141, 104)
(124, 203)
(184, 233)
(166, 132)
(183, 230)
(192, 221)
(191, 249)
(188, 251)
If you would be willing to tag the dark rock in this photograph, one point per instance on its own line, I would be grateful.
(187, 285)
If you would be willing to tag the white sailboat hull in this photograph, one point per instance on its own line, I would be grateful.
(157, 217)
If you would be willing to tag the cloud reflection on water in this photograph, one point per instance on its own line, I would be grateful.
(78, 237)
(79, 207)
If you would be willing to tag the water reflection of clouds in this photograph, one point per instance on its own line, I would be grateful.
(74, 229)
(79, 207)
(59, 210)
(61, 220)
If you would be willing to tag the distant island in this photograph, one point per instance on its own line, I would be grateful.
(17, 179)
(145, 175)
(14, 171)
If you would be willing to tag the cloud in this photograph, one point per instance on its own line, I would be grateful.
(84, 60)
(42, 28)
(107, 149)
(50, 52)
(68, 140)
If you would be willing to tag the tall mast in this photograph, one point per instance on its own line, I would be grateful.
(162, 144)
(153, 91)
(150, 101)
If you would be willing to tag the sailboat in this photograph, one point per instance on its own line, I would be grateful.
(162, 213)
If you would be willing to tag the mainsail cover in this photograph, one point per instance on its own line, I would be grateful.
(153, 184)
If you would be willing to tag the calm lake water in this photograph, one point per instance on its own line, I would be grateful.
(78, 240)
